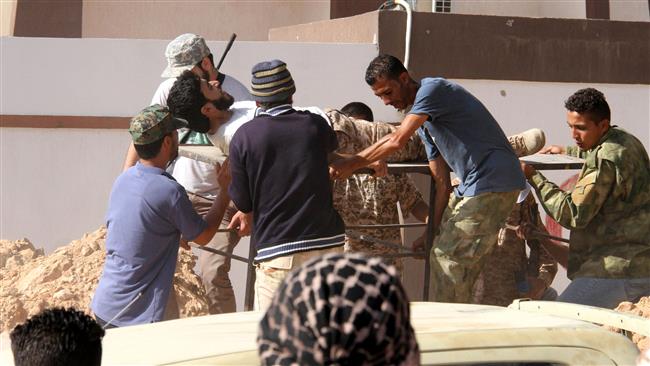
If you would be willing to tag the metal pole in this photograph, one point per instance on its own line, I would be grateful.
(225, 254)
(250, 280)
(429, 240)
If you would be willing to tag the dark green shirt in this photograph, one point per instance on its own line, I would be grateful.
(608, 212)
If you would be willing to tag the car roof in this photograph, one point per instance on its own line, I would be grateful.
(444, 332)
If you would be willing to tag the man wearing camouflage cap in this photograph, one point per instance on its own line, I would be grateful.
(190, 52)
(148, 213)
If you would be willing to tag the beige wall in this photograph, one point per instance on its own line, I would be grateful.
(627, 10)
(524, 8)
(630, 10)
(7, 17)
(215, 20)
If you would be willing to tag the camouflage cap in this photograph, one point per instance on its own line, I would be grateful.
(183, 53)
(152, 124)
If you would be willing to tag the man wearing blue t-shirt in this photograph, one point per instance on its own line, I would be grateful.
(458, 133)
(148, 212)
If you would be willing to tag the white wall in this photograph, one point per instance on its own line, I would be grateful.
(629, 10)
(523, 8)
(54, 183)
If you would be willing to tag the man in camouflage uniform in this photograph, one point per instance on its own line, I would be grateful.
(607, 212)
(363, 199)
(509, 273)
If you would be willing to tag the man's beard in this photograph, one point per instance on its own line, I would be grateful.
(223, 103)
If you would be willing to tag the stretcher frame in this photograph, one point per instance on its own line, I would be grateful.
(212, 155)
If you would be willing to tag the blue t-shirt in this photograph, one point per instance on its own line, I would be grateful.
(147, 213)
(463, 131)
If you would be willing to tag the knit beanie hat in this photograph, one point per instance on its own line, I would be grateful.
(272, 82)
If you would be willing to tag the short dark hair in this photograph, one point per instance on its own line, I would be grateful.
(386, 66)
(358, 110)
(186, 99)
(591, 102)
(150, 151)
(56, 337)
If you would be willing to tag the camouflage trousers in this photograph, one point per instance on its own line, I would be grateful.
(468, 232)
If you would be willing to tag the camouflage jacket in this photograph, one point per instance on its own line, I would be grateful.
(355, 135)
(608, 212)
(363, 199)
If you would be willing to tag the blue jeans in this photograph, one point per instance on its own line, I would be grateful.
(605, 292)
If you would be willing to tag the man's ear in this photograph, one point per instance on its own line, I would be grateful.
(207, 109)
(603, 124)
(168, 140)
(404, 77)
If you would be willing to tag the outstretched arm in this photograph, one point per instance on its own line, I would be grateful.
(390, 143)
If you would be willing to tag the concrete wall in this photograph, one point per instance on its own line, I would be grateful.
(632, 10)
(541, 9)
(7, 16)
(54, 183)
(215, 20)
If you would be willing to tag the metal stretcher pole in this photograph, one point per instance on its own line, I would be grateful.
(250, 280)
(429, 240)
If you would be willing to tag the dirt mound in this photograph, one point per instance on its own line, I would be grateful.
(31, 282)
(642, 309)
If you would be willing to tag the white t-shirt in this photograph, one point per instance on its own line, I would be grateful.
(231, 85)
(243, 112)
(196, 176)
(200, 178)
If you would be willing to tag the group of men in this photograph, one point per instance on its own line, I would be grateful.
(275, 185)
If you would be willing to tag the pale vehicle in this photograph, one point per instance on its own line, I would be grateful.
(448, 334)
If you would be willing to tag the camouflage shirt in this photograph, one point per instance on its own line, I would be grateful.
(365, 200)
(608, 211)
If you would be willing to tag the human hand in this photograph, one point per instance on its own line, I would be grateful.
(223, 175)
(342, 168)
(380, 167)
(553, 149)
(242, 222)
(528, 170)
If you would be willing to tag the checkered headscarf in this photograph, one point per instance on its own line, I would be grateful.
(339, 310)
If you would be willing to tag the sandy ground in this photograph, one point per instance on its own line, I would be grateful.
(31, 281)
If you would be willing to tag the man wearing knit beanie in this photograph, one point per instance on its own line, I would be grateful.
(281, 187)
